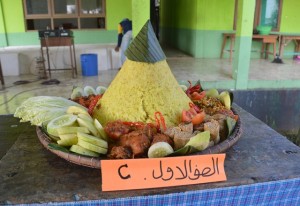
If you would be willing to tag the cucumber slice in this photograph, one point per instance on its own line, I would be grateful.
(80, 150)
(160, 149)
(54, 138)
(200, 141)
(77, 92)
(225, 99)
(89, 125)
(92, 139)
(88, 90)
(66, 142)
(212, 93)
(61, 121)
(100, 90)
(86, 117)
(100, 129)
(67, 139)
(92, 147)
(72, 130)
(77, 110)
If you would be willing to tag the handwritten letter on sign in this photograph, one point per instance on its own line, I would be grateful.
(161, 172)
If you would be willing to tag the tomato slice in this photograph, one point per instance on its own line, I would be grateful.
(186, 116)
(197, 95)
(192, 116)
(198, 118)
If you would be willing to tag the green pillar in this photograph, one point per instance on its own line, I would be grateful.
(140, 14)
(3, 36)
(243, 42)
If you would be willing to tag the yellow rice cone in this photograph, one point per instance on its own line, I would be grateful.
(138, 91)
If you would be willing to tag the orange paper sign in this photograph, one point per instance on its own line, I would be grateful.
(161, 172)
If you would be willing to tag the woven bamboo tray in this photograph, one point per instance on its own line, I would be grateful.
(96, 162)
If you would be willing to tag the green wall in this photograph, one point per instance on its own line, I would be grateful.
(12, 22)
(116, 10)
(178, 20)
(16, 35)
(13, 16)
(196, 26)
(290, 16)
(215, 14)
(198, 14)
(178, 14)
(3, 40)
(213, 18)
(140, 15)
(2, 27)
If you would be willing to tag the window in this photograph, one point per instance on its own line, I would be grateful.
(67, 14)
(267, 13)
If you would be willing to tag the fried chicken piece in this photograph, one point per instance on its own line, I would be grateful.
(162, 138)
(148, 130)
(120, 152)
(137, 141)
(116, 129)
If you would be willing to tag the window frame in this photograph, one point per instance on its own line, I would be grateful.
(78, 15)
(36, 16)
(88, 15)
(257, 14)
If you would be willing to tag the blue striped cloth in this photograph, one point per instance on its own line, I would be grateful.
(284, 192)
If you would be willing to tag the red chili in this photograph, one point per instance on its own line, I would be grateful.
(192, 89)
(94, 103)
(160, 120)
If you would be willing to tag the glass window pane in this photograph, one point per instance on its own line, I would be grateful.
(66, 23)
(92, 23)
(269, 13)
(37, 6)
(38, 24)
(91, 6)
(64, 6)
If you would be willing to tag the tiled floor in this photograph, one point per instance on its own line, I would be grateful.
(183, 67)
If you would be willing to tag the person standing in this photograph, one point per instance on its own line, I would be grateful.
(124, 37)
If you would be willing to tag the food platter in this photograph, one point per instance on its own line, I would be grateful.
(93, 162)
(172, 116)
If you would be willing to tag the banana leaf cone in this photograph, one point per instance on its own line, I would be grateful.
(143, 86)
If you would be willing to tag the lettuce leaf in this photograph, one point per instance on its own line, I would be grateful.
(37, 110)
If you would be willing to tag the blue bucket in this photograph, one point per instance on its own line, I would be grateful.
(89, 64)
